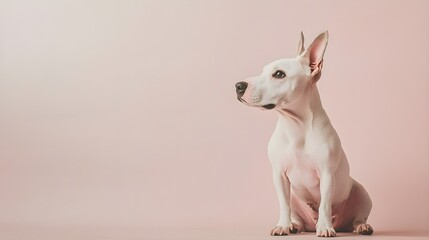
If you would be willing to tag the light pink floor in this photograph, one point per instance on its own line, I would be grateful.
(13, 232)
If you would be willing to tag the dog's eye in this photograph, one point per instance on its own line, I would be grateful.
(279, 74)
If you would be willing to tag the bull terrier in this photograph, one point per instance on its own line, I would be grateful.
(310, 169)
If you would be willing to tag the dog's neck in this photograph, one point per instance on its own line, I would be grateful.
(304, 114)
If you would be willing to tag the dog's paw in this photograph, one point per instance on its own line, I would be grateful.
(295, 228)
(323, 231)
(364, 229)
(280, 230)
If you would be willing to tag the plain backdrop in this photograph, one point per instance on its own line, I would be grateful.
(124, 113)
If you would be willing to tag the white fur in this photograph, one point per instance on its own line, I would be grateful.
(310, 168)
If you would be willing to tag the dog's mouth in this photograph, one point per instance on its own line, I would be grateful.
(269, 106)
(266, 106)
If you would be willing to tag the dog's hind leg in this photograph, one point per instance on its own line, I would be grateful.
(298, 224)
(361, 205)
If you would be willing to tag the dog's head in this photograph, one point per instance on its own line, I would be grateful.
(284, 81)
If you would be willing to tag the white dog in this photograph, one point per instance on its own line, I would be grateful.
(310, 169)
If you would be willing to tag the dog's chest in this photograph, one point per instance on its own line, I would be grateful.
(298, 153)
(300, 170)
(298, 161)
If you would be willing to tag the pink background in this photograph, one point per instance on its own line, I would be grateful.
(123, 113)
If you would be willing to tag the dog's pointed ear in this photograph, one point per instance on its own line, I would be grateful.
(300, 48)
(314, 53)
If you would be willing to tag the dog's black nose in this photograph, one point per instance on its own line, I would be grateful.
(240, 88)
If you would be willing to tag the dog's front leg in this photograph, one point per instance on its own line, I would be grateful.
(282, 186)
(324, 223)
